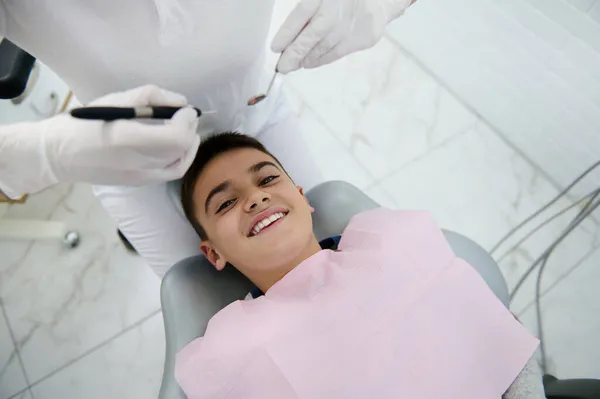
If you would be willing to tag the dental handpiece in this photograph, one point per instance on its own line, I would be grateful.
(108, 114)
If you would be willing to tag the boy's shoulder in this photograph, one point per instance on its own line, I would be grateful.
(383, 227)
(378, 217)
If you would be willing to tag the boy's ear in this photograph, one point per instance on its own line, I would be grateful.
(306, 199)
(213, 255)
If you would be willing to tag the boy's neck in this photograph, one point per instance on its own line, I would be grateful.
(266, 280)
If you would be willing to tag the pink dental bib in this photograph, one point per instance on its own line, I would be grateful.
(392, 314)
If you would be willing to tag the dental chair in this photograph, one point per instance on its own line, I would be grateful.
(193, 290)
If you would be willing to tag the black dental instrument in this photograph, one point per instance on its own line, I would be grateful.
(114, 113)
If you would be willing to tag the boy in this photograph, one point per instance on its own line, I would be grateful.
(235, 219)
(337, 324)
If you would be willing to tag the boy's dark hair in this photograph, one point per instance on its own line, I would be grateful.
(209, 149)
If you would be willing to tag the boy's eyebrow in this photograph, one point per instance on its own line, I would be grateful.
(225, 185)
(255, 168)
(218, 189)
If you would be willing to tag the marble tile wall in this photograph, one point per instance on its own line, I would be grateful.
(529, 67)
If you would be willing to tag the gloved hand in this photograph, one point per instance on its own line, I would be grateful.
(318, 32)
(125, 152)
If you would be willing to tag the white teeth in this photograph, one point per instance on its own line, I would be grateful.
(266, 222)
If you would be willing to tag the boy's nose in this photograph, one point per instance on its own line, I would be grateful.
(257, 199)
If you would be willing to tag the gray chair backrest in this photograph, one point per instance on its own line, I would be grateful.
(193, 291)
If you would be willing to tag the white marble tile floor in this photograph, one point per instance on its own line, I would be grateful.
(87, 322)
(571, 323)
(130, 363)
(12, 377)
(60, 303)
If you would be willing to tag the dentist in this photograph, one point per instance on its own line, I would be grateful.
(209, 54)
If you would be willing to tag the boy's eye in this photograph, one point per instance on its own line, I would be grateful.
(268, 180)
(225, 205)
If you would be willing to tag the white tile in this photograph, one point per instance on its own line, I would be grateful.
(477, 186)
(12, 379)
(582, 5)
(381, 196)
(336, 163)
(316, 134)
(571, 19)
(63, 302)
(595, 11)
(24, 395)
(128, 367)
(571, 324)
(522, 69)
(381, 106)
(333, 159)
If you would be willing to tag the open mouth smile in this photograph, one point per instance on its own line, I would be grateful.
(267, 222)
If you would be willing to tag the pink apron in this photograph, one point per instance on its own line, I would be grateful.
(392, 314)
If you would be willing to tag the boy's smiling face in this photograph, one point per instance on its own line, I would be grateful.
(253, 214)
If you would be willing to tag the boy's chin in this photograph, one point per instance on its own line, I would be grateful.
(279, 251)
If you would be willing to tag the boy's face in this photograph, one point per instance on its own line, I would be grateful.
(253, 214)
